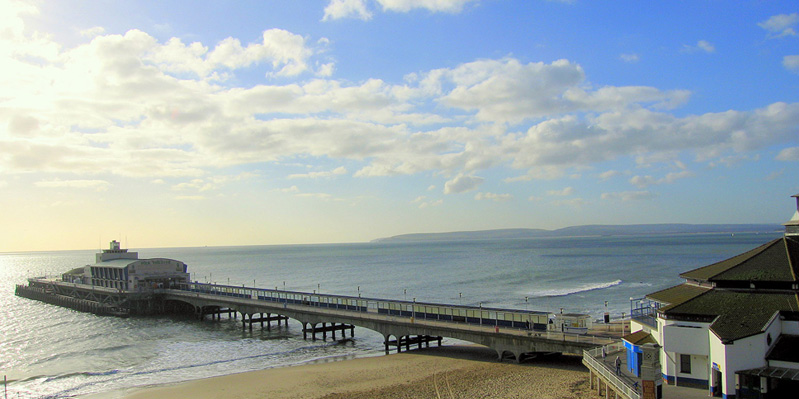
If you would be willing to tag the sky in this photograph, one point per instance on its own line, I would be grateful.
(192, 123)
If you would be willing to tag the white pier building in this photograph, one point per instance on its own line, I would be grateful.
(122, 270)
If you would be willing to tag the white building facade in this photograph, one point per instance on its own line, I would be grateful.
(123, 270)
(733, 327)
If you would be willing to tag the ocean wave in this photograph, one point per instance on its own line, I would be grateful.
(557, 292)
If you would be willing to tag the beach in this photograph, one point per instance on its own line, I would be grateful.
(446, 372)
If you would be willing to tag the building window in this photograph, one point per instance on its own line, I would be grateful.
(685, 364)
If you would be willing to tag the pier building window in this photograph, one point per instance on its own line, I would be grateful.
(685, 364)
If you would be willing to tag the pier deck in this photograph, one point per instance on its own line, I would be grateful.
(507, 331)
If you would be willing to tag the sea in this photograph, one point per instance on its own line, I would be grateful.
(51, 352)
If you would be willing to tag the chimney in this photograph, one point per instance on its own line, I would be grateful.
(792, 226)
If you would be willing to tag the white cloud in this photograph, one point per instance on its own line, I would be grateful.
(645, 181)
(93, 32)
(572, 202)
(509, 91)
(448, 6)
(702, 45)
(319, 196)
(338, 9)
(628, 196)
(788, 154)
(97, 185)
(462, 184)
(158, 109)
(287, 53)
(493, 197)
(561, 193)
(190, 197)
(316, 175)
(631, 58)
(423, 202)
(292, 189)
(791, 63)
(781, 25)
(609, 174)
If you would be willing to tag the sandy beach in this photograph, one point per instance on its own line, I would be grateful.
(447, 372)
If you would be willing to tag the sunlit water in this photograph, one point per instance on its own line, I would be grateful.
(48, 351)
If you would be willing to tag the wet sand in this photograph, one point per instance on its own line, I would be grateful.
(447, 372)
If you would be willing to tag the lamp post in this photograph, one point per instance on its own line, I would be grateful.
(481, 313)
(413, 310)
(460, 298)
(526, 304)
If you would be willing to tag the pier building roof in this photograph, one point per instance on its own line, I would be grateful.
(640, 338)
(733, 314)
(677, 294)
(786, 349)
(122, 263)
(774, 261)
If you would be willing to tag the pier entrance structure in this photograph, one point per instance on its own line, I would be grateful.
(510, 332)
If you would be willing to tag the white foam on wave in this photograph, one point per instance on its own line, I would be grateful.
(574, 290)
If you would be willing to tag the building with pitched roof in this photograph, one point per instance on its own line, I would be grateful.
(732, 327)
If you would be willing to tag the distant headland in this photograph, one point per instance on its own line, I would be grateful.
(587, 231)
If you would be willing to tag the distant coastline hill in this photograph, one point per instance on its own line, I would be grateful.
(587, 231)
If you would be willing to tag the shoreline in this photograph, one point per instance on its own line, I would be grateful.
(448, 371)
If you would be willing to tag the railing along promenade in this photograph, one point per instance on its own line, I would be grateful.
(594, 359)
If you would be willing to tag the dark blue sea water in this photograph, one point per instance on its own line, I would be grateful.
(49, 351)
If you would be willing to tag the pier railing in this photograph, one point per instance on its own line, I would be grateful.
(517, 322)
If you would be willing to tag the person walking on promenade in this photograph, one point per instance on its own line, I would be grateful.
(618, 365)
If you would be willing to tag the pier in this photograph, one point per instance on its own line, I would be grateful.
(512, 333)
